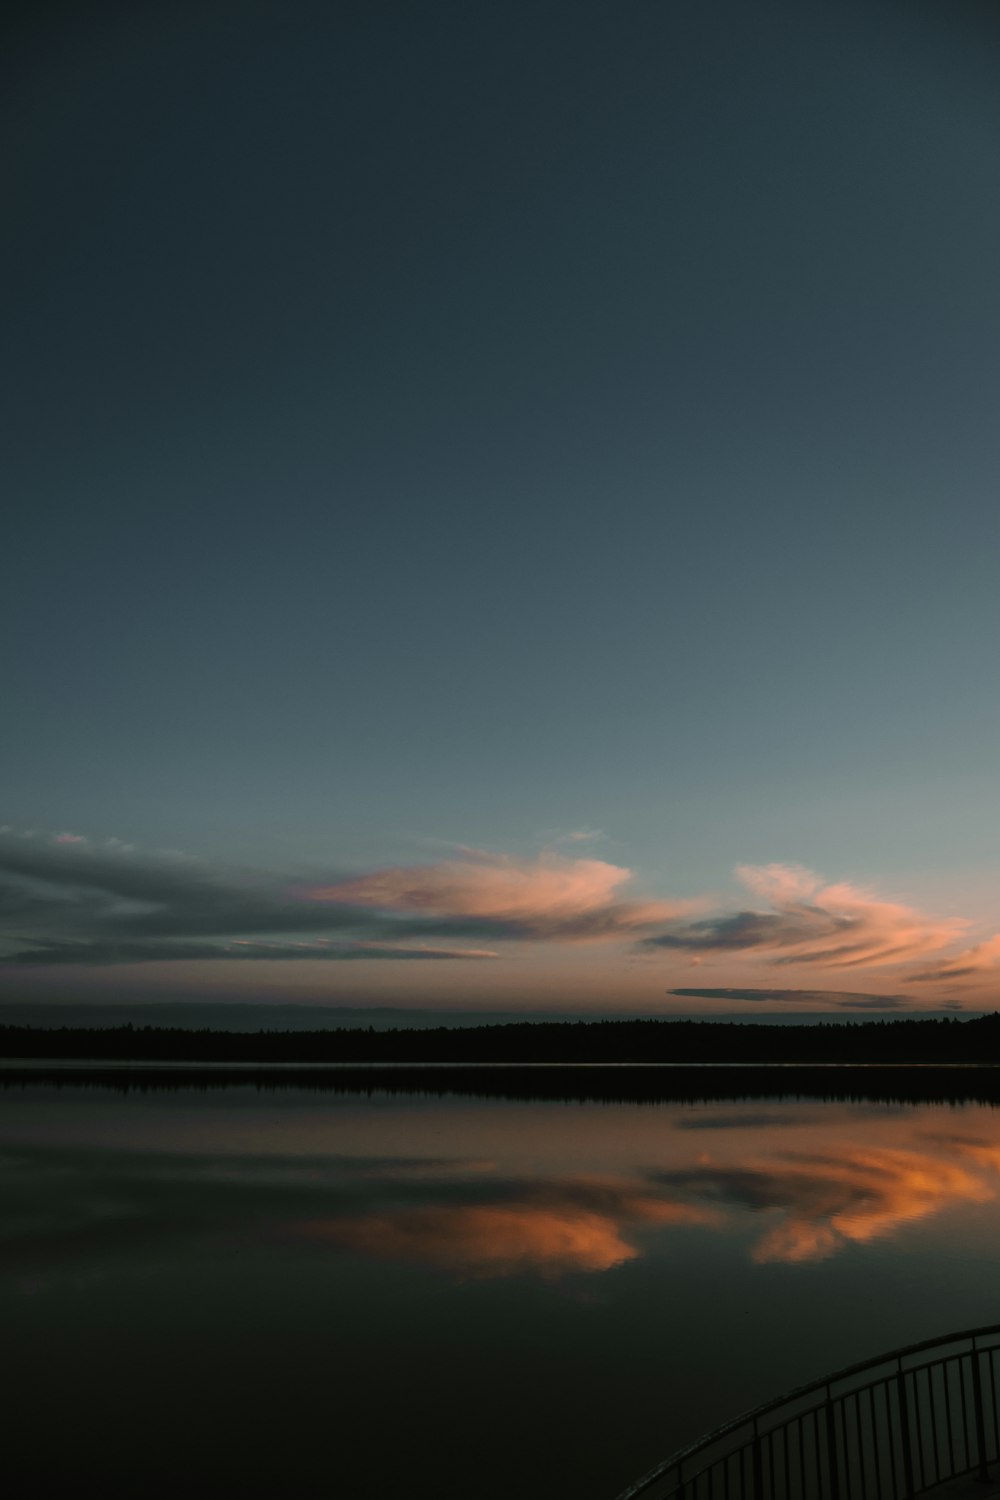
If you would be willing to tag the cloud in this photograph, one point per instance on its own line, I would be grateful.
(972, 963)
(833, 926)
(96, 953)
(843, 999)
(551, 896)
(69, 900)
(550, 887)
(780, 885)
(64, 904)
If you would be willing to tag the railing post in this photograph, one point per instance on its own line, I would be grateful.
(904, 1430)
(977, 1401)
(758, 1463)
(831, 1448)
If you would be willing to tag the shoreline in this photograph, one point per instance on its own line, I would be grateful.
(638, 1084)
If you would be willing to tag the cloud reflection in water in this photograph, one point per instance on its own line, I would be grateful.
(817, 1204)
(544, 1193)
(574, 1227)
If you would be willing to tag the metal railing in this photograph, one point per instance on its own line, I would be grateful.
(890, 1428)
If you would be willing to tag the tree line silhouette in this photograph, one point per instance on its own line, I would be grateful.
(903, 1041)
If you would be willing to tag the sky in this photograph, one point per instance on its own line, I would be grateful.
(501, 505)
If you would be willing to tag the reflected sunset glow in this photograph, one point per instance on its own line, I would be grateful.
(574, 1227)
(867, 1178)
(481, 1254)
(862, 1196)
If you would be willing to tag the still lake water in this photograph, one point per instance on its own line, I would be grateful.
(293, 1293)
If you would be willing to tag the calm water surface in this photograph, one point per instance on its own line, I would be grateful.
(237, 1293)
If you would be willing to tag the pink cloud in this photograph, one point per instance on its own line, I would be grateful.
(968, 965)
(839, 926)
(781, 885)
(549, 896)
(800, 919)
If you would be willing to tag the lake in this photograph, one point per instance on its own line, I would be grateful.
(246, 1292)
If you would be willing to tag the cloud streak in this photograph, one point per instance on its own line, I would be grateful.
(550, 897)
(974, 963)
(843, 999)
(110, 953)
(76, 904)
(805, 922)
(66, 900)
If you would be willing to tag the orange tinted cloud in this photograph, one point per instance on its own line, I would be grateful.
(838, 926)
(548, 896)
(798, 919)
(970, 965)
(81, 903)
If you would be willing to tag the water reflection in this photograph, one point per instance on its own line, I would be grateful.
(826, 1201)
(788, 1186)
(818, 1204)
(595, 1283)
(573, 1226)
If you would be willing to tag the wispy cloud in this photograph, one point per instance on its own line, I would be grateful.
(108, 953)
(846, 999)
(803, 921)
(78, 903)
(551, 896)
(67, 899)
(973, 963)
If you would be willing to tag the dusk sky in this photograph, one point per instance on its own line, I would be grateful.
(502, 505)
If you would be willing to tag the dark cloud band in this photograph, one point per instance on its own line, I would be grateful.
(845, 999)
(63, 905)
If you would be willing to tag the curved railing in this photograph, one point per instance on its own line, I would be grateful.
(890, 1428)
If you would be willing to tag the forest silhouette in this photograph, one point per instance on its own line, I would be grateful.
(898, 1061)
(898, 1041)
(906, 1040)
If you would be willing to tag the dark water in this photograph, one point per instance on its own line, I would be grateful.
(232, 1293)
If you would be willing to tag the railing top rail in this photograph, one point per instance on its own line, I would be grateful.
(747, 1418)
